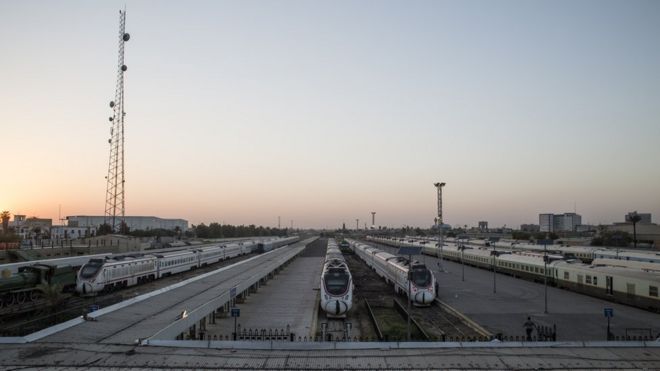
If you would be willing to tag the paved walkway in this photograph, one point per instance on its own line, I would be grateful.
(290, 298)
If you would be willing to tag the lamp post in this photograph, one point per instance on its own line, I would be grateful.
(409, 291)
(462, 248)
(493, 241)
(545, 273)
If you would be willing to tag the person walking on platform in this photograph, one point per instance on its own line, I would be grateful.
(529, 327)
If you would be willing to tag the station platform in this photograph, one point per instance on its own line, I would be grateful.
(201, 355)
(168, 312)
(577, 317)
(288, 302)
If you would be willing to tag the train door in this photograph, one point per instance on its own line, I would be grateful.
(631, 290)
(609, 285)
(580, 280)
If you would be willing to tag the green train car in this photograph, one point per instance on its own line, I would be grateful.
(22, 287)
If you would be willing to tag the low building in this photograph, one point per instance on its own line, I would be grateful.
(483, 226)
(63, 232)
(646, 232)
(133, 222)
(31, 227)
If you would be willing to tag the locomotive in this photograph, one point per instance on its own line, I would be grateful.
(22, 287)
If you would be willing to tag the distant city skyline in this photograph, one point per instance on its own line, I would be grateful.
(243, 111)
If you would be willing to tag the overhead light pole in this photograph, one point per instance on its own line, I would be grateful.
(439, 223)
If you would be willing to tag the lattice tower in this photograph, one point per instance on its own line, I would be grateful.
(115, 205)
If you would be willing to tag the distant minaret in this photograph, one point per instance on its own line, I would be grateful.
(114, 194)
(373, 219)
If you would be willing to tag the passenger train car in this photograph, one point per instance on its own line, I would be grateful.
(336, 283)
(413, 279)
(627, 282)
(113, 272)
(272, 244)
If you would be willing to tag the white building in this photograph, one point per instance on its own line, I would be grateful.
(63, 232)
(133, 222)
(566, 222)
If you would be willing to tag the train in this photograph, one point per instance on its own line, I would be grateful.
(413, 279)
(336, 283)
(585, 253)
(272, 244)
(631, 284)
(116, 272)
(24, 286)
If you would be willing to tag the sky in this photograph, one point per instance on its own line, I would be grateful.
(323, 111)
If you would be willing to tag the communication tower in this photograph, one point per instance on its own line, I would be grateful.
(114, 194)
(373, 219)
(439, 187)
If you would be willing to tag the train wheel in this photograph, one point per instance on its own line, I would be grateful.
(35, 295)
(21, 297)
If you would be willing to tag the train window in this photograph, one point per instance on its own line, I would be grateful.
(595, 281)
(653, 291)
(588, 279)
(566, 276)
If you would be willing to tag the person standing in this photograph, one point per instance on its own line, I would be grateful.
(529, 327)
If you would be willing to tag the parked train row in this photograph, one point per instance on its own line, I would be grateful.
(98, 273)
(411, 278)
(584, 253)
(632, 286)
(336, 283)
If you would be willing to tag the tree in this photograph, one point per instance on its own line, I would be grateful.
(123, 228)
(104, 228)
(5, 221)
(634, 218)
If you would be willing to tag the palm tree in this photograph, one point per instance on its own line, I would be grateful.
(5, 221)
(634, 218)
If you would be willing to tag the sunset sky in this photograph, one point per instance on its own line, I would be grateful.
(320, 112)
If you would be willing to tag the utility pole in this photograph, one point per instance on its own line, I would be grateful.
(357, 224)
(114, 194)
(278, 222)
(439, 223)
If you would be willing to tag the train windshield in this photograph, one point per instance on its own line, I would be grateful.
(90, 269)
(421, 276)
(336, 281)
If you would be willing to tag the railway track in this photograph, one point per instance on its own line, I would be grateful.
(34, 316)
(437, 322)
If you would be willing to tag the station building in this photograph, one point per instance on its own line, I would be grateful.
(133, 222)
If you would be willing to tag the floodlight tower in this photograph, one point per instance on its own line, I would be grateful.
(115, 206)
(373, 219)
(439, 223)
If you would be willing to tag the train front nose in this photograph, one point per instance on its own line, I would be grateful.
(336, 307)
(424, 297)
